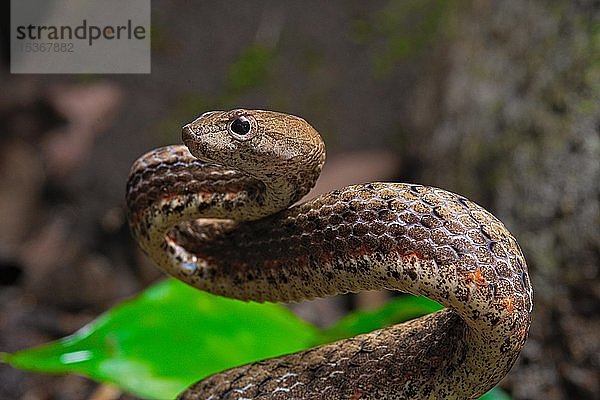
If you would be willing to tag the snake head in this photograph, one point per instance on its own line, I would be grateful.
(275, 148)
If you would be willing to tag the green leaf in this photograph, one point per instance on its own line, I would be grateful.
(172, 335)
(495, 394)
(168, 338)
(399, 309)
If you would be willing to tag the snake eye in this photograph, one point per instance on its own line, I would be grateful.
(240, 126)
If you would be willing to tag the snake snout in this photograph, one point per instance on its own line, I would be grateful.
(187, 134)
(190, 139)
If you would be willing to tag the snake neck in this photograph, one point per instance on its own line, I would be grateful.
(168, 187)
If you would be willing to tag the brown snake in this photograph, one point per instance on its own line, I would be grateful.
(219, 217)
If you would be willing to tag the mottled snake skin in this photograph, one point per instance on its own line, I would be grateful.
(218, 216)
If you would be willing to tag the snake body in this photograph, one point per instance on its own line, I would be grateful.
(217, 213)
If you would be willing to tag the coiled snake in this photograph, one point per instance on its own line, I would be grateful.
(217, 214)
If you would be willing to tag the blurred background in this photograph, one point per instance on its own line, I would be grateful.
(498, 101)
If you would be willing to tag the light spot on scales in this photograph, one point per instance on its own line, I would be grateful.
(242, 390)
(286, 390)
(186, 263)
(229, 196)
(286, 376)
(282, 379)
(189, 267)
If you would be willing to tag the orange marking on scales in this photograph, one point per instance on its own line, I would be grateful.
(509, 304)
(476, 277)
(326, 257)
(357, 395)
(231, 195)
(412, 255)
(361, 251)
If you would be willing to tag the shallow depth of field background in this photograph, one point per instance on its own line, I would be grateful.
(497, 102)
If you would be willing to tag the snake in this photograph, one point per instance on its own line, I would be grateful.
(221, 213)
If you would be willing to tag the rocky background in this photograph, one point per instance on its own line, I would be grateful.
(499, 101)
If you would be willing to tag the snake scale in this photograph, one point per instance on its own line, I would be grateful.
(218, 214)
